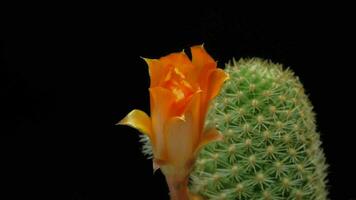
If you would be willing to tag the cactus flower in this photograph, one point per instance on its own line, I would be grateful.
(180, 92)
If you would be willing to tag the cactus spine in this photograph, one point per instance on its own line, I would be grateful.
(271, 149)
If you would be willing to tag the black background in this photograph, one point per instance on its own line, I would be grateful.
(70, 74)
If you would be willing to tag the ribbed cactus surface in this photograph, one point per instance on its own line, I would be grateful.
(271, 149)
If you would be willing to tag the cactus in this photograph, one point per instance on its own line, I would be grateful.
(271, 149)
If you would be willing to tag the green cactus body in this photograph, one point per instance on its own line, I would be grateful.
(271, 149)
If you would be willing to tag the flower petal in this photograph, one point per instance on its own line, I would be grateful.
(210, 135)
(216, 80)
(201, 58)
(211, 85)
(162, 101)
(192, 115)
(204, 65)
(138, 120)
(179, 60)
(179, 141)
(156, 70)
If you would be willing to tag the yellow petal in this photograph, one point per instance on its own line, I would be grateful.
(162, 101)
(179, 141)
(210, 135)
(138, 120)
(215, 83)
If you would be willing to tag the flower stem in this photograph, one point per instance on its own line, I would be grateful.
(178, 188)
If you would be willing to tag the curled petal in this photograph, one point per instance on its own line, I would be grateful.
(204, 65)
(156, 70)
(211, 85)
(216, 80)
(201, 58)
(138, 120)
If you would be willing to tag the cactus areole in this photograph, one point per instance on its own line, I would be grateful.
(271, 149)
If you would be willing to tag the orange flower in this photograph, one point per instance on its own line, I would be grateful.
(180, 93)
